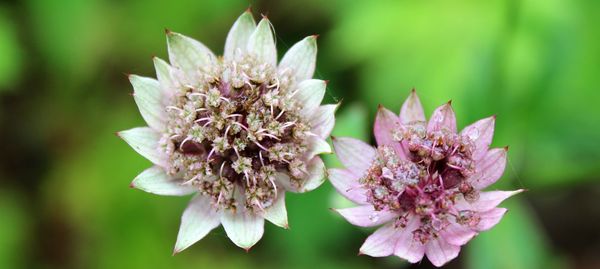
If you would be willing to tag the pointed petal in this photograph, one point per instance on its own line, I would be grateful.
(366, 215)
(386, 123)
(164, 73)
(490, 218)
(346, 183)
(188, 54)
(276, 213)
(381, 243)
(309, 95)
(239, 35)
(442, 118)
(356, 155)
(488, 200)
(323, 120)
(457, 234)
(489, 169)
(243, 228)
(407, 247)
(412, 110)
(481, 133)
(316, 146)
(314, 178)
(301, 59)
(261, 43)
(155, 180)
(198, 219)
(147, 95)
(144, 141)
(439, 252)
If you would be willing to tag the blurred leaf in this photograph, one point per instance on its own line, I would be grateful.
(14, 230)
(10, 53)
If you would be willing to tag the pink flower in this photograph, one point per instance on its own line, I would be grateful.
(238, 131)
(422, 183)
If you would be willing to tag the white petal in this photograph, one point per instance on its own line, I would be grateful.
(164, 73)
(309, 95)
(346, 183)
(301, 59)
(238, 36)
(356, 155)
(155, 180)
(198, 219)
(147, 94)
(316, 146)
(188, 54)
(276, 213)
(323, 120)
(439, 252)
(316, 175)
(244, 228)
(144, 141)
(366, 215)
(261, 43)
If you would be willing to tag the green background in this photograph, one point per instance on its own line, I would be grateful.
(64, 175)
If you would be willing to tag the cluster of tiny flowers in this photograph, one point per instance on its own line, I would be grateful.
(237, 125)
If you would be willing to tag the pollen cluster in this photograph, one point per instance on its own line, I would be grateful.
(232, 130)
(427, 183)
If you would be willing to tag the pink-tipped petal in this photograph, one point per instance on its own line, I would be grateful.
(346, 183)
(276, 213)
(407, 247)
(489, 169)
(481, 133)
(382, 242)
(366, 215)
(386, 123)
(487, 200)
(490, 218)
(243, 227)
(457, 234)
(412, 110)
(440, 252)
(323, 120)
(198, 219)
(443, 118)
(354, 154)
(155, 180)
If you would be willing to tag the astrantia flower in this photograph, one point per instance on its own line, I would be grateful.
(423, 182)
(238, 130)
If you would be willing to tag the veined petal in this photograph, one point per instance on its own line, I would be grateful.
(239, 35)
(346, 183)
(457, 234)
(147, 95)
(489, 169)
(488, 200)
(490, 218)
(481, 133)
(261, 43)
(276, 213)
(309, 95)
(366, 215)
(144, 141)
(356, 155)
(323, 120)
(164, 73)
(381, 243)
(198, 219)
(301, 59)
(407, 247)
(442, 118)
(155, 180)
(386, 122)
(439, 252)
(188, 54)
(316, 146)
(244, 228)
(315, 176)
(412, 110)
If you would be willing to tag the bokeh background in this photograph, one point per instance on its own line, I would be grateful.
(64, 175)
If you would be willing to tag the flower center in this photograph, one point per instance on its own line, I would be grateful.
(233, 130)
(427, 183)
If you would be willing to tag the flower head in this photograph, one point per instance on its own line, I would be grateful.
(423, 183)
(238, 130)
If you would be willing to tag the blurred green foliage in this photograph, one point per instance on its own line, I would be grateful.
(534, 63)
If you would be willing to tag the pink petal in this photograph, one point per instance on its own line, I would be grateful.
(386, 122)
(381, 243)
(198, 219)
(407, 248)
(487, 200)
(442, 118)
(490, 218)
(366, 215)
(412, 110)
(481, 133)
(457, 234)
(439, 252)
(346, 183)
(489, 169)
(356, 155)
